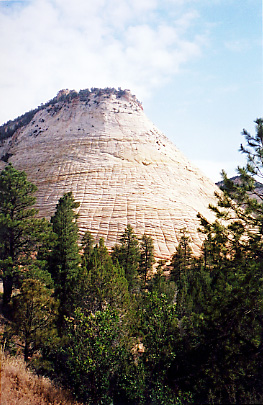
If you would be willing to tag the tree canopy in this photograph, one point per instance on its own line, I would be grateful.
(21, 233)
(191, 332)
(64, 263)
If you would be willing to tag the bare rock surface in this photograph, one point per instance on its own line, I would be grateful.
(122, 170)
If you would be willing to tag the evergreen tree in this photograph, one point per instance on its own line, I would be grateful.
(127, 254)
(98, 332)
(87, 244)
(226, 330)
(161, 284)
(222, 328)
(21, 234)
(182, 258)
(240, 204)
(100, 254)
(104, 284)
(94, 355)
(146, 256)
(161, 344)
(65, 257)
(34, 314)
(181, 273)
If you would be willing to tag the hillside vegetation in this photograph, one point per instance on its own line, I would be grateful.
(112, 330)
(20, 386)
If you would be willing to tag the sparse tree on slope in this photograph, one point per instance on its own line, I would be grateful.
(34, 314)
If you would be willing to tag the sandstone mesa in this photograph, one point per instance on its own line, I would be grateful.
(100, 145)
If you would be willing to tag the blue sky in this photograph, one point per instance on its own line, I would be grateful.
(196, 65)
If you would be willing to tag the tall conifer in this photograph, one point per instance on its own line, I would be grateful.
(21, 233)
(146, 256)
(65, 258)
(128, 255)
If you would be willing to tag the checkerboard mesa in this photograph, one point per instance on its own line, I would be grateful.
(100, 145)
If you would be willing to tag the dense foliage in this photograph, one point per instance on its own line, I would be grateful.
(64, 260)
(21, 234)
(115, 331)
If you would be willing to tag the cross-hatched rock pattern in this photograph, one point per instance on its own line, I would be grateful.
(122, 170)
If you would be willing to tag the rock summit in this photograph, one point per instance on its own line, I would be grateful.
(100, 145)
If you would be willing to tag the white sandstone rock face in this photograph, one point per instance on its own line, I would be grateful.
(119, 166)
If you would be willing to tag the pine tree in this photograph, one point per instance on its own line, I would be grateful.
(146, 256)
(240, 203)
(21, 234)
(127, 254)
(34, 314)
(104, 284)
(87, 244)
(229, 323)
(65, 257)
(182, 258)
(98, 331)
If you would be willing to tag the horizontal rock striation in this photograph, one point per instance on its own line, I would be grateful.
(100, 145)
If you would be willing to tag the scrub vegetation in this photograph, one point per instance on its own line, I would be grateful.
(113, 331)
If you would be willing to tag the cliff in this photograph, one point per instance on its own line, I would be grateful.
(100, 145)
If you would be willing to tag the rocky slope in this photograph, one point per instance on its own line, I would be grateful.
(100, 145)
(258, 191)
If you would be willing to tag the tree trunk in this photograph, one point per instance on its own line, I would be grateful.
(26, 350)
(8, 287)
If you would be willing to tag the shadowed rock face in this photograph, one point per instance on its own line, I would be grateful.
(101, 146)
